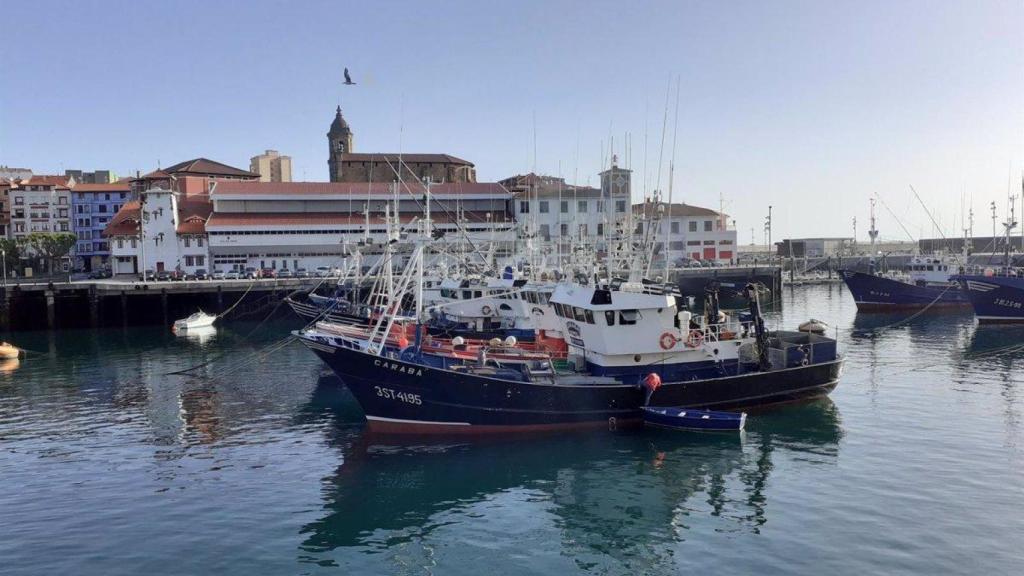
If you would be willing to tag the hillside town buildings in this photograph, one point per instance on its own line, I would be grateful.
(272, 166)
(93, 207)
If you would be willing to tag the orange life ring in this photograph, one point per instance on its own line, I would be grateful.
(668, 341)
(696, 338)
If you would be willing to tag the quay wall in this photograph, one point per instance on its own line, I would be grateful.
(111, 303)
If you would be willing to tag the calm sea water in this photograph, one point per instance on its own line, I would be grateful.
(259, 464)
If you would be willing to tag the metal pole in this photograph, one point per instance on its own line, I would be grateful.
(3, 253)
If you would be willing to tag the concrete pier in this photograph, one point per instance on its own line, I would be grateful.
(36, 306)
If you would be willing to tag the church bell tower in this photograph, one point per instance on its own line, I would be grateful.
(340, 141)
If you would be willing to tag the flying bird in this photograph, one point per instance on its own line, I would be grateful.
(348, 79)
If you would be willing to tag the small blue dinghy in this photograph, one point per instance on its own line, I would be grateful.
(690, 419)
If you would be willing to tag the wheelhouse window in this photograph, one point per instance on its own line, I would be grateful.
(609, 317)
(628, 317)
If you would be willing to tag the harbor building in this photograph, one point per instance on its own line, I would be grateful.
(163, 225)
(93, 206)
(310, 224)
(564, 214)
(272, 167)
(815, 247)
(11, 173)
(5, 207)
(41, 204)
(346, 165)
(97, 177)
(694, 233)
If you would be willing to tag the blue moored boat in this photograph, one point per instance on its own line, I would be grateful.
(996, 295)
(928, 284)
(689, 419)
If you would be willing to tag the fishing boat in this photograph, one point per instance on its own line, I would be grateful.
(198, 320)
(405, 389)
(997, 295)
(690, 419)
(927, 283)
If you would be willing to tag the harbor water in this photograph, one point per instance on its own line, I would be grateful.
(258, 463)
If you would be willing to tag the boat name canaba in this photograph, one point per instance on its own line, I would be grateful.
(402, 368)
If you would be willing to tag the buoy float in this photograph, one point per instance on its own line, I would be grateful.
(668, 341)
(9, 351)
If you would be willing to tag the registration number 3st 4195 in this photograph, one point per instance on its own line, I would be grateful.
(392, 394)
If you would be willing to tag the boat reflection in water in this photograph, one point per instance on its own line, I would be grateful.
(201, 335)
(9, 365)
(619, 494)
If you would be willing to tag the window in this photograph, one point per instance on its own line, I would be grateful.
(543, 206)
(600, 229)
(102, 208)
(707, 226)
(545, 231)
(62, 200)
(676, 245)
(19, 200)
(524, 206)
(581, 206)
(133, 242)
(620, 205)
(200, 260)
(675, 227)
(564, 230)
(693, 242)
(199, 243)
(564, 208)
(589, 315)
(600, 206)
(693, 225)
(709, 242)
(106, 196)
(120, 242)
(63, 226)
(583, 230)
(578, 314)
(628, 317)
(609, 317)
(189, 261)
(188, 242)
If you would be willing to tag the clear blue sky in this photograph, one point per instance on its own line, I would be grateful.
(810, 106)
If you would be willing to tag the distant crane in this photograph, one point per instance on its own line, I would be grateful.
(348, 79)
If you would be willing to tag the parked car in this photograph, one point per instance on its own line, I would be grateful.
(250, 273)
(232, 275)
(163, 276)
(201, 274)
(268, 273)
(177, 275)
(323, 271)
(301, 273)
(217, 275)
(148, 276)
(100, 274)
(285, 273)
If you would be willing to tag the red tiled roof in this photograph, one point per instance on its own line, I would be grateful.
(393, 158)
(246, 219)
(59, 181)
(125, 222)
(154, 175)
(112, 187)
(345, 188)
(206, 167)
(194, 212)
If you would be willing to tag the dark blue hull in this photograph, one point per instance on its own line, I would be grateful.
(406, 397)
(689, 419)
(878, 294)
(995, 298)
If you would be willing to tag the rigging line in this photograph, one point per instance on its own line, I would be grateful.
(930, 217)
(895, 217)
